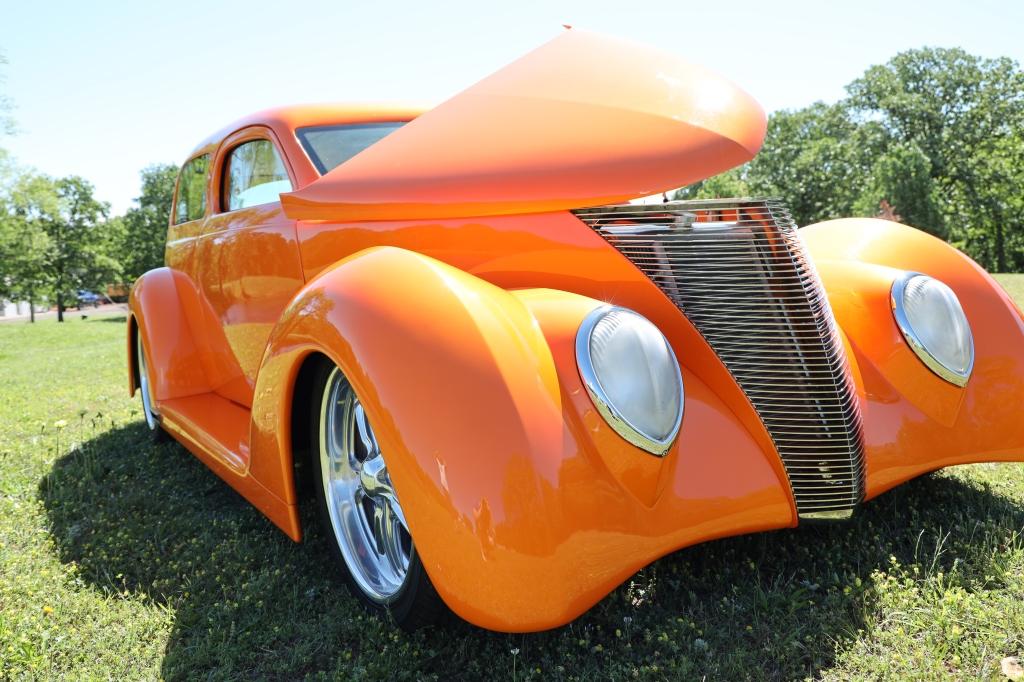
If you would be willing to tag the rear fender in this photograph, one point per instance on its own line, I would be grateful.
(915, 422)
(525, 507)
(156, 311)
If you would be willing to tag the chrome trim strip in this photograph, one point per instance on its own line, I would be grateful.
(899, 285)
(605, 408)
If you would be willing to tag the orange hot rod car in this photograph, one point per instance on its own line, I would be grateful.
(508, 385)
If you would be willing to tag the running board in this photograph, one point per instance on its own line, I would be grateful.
(216, 431)
(216, 425)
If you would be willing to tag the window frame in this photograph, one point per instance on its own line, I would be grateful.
(206, 189)
(229, 145)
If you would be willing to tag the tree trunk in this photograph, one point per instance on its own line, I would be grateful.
(31, 306)
(60, 308)
(1000, 248)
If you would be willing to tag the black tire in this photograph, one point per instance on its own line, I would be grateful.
(416, 604)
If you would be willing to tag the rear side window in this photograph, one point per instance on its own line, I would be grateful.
(191, 202)
(254, 174)
(330, 146)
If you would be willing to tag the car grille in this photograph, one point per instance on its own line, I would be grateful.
(739, 272)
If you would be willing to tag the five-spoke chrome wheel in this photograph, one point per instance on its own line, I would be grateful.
(364, 511)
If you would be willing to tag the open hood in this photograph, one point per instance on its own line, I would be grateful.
(583, 120)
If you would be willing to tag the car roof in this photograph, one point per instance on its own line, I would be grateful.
(283, 120)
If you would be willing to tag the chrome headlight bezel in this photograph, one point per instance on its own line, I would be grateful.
(913, 338)
(605, 405)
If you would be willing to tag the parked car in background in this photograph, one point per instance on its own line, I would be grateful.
(508, 386)
(87, 298)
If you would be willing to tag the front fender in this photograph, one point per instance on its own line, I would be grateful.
(915, 422)
(525, 508)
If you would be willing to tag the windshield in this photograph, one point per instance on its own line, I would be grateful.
(330, 146)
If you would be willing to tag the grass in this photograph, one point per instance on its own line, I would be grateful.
(124, 560)
(1014, 285)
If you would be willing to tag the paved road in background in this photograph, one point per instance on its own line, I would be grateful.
(70, 315)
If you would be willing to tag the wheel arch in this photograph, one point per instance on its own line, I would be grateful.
(156, 312)
(299, 419)
(133, 364)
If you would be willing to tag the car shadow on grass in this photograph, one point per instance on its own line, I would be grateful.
(151, 521)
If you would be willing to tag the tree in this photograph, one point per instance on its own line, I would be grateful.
(25, 245)
(145, 225)
(818, 159)
(901, 178)
(935, 136)
(80, 255)
(731, 183)
(56, 240)
(966, 116)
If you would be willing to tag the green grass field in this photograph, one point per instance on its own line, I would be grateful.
(124, 560)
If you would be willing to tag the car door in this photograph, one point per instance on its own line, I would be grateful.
(183, 256)
(249, 253)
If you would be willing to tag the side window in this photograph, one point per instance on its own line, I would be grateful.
(191, 203)
(254, 174)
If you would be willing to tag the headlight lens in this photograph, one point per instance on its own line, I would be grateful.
(632, 376)
(933, 322)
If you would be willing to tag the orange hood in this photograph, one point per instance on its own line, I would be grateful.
(583, 120)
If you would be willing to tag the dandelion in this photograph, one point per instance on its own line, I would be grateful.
(60, 424)
(47, 610)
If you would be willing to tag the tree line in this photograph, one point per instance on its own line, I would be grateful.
(57, 239)
(933, 138)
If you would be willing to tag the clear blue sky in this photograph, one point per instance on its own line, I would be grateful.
(104, 88)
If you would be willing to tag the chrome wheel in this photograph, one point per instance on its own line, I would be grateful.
(365, 515)
(144, 388)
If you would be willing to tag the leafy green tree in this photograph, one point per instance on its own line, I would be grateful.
(731, 183)
(60, 244)
(934, 138)
(25, 245)
(966, 116)
(145, 224)
(818, 159)
(81, 254)
(901, 177)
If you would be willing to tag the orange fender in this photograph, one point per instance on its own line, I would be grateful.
(155, 308)
(524, 506)
(915, 422)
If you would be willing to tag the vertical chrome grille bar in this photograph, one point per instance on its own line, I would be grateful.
(738, 270)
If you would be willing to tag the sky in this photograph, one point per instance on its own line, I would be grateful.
(104, 88)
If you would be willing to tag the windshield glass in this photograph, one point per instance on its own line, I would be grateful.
(330, 146)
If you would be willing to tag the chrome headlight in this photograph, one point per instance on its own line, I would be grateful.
(632, 376)
(933, 322)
